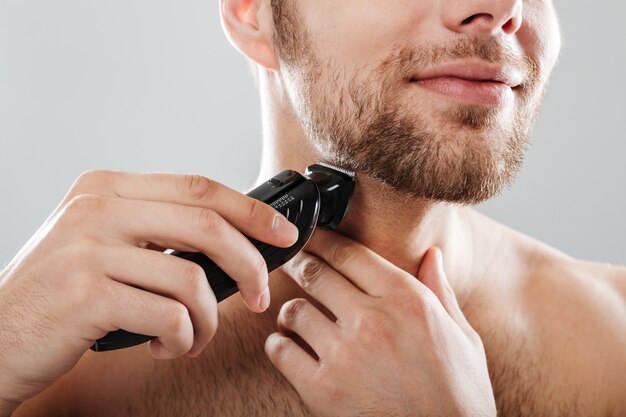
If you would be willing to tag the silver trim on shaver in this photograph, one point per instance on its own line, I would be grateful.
(336, 168)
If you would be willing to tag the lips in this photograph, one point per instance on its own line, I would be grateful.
(471, 82)
(474, 71)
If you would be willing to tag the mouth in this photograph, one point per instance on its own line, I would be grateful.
(470, 82)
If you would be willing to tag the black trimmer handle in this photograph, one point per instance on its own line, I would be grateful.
(223, 287)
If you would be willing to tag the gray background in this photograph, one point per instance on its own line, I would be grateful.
(153, 85)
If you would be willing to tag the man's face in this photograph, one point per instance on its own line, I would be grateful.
(435, 98)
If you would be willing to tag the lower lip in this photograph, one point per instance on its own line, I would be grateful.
(472, 92)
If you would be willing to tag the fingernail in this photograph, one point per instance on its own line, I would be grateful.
(285, 229)
(439, 258)
(264, 300)
(440, 266)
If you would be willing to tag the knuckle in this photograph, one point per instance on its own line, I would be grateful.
(198, 187)
(91, 180)
(260, 270)
(278, 347)
(420, 308)
(405, 283)
(86, 178)
(254, 208)
(341, 355)
(343, 253)
(374, 327)
(311, 272)
(292, 310)
(209, 221)
(194, 278)
(260, 213)
(254, 273)
(424, 304)
(177, 318)
(84, 205)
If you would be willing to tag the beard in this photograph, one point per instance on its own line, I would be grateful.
(457, 153)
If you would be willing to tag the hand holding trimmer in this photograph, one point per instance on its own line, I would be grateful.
(319, 198)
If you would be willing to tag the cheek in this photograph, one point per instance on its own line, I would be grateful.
(540, 36)
(358, 34)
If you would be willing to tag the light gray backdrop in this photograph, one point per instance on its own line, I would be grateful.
(153, 85)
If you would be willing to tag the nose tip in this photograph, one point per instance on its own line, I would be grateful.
(514, 24)
(487, 24)
(487, 17)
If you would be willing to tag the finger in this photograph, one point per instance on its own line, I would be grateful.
(301, 317)
(178, 227)
(291, 360)
(324, 284)
(119, 306)
(432, 275)
(366, 269)
(254, 218)
(171, 277)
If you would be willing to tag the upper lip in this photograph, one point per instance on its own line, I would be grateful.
(474, 71)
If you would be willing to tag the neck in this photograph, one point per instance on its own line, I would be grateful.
(399, 228)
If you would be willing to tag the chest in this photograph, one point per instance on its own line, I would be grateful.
(232, 378)
(235, 378)
(532, 368)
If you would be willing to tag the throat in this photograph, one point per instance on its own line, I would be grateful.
(401, 229)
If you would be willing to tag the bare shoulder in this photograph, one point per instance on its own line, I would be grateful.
(557, 335)
(232, 377)
(587, 326)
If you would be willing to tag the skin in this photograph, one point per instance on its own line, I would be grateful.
(552, 326)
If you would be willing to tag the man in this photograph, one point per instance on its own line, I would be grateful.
(431, 103)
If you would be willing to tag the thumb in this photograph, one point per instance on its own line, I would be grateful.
(432, 274)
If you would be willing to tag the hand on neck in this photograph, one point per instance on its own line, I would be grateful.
(398, 227)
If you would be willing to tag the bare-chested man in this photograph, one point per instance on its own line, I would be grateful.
(431, 103)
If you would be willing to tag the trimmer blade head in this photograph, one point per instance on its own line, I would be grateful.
(336, 168)
(336, 186)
